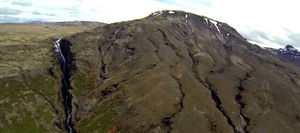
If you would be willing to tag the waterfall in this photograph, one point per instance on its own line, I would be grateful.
(67, 97)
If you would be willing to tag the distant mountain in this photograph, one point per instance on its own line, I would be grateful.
(87, 23)
(63, 23)
(68, 23)
(288, 54)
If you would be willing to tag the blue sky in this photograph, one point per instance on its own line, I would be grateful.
(265, 22)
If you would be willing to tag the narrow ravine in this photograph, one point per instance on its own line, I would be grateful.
(167, 122)
(67, 97)
(218, 105)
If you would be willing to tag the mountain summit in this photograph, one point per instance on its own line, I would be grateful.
(173, 71)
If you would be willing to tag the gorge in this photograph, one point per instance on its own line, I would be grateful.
(65, 69)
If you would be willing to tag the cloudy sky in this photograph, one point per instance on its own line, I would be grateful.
(272, 23)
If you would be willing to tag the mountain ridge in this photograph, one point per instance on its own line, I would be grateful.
(197, 74)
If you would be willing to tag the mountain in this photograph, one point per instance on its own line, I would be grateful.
(171, 71)
(288, 54)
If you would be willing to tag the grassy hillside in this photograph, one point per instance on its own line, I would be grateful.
(30, 77)
(40, 32)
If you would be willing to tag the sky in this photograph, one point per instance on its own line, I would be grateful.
(268, 23)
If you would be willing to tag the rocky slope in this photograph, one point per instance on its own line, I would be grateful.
(178, 72)
(288, 54)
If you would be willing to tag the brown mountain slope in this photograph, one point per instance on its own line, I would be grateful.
(178, 72)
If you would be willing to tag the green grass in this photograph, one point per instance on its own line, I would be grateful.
(25, 104)
(82, 82)
(102, 119)
(45, 86)
(37, 32)
(26, 125)
(79, 81)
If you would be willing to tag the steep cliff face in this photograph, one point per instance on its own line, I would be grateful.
(178, 72)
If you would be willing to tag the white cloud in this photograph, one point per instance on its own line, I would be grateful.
(276, 19)
(117, 10)
(22, 2)
(267, 22)
(9, 11)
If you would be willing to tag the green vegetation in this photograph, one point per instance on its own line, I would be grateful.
(102, 119)
(26, 104)
(79, 80)
(45, 86)
(26, 125)
(30, 76)
(37, 32)
(82, 82)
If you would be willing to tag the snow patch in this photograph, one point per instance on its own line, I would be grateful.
(202, 54)
(171, 12)
(228, 34)
(157, 13)
(206, 20)
(186, 16)
(216, 25)
(193, 31)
